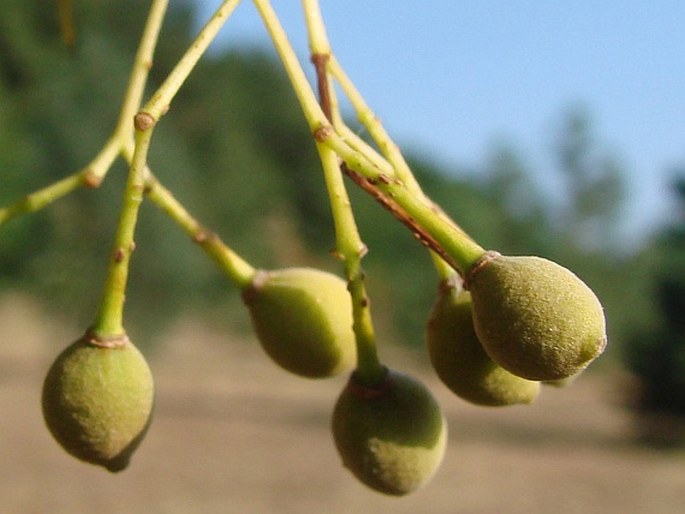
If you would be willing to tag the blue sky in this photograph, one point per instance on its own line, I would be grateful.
(450, 78)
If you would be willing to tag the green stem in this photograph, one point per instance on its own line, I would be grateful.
(108, 321)
(367, 118)
(236, 268)
(142, 65)
(39, 199)
(351, 249)
(440, 233)
(310, 105)
(160, 101)
(361, 146)
(109, 318)
(349, 245)
(389, 149)
(93, 174)
(90, 176)
(437, 230)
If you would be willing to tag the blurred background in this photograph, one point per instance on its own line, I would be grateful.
(557, 134)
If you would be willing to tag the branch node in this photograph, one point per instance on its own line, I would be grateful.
(201, 236)
(480, 264)
(91, 180)
(143, 121)
(119, 255)
(322, 133)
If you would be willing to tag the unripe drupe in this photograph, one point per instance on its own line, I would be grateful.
(303, 320)
(534, 317)
(391, 437)
(97, 401)
(461, 362)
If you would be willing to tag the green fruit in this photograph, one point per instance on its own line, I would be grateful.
(303, 320)
(392, 437)
(460, 361)
(97, 401)
(534, 317)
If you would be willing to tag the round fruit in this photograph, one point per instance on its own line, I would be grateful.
(460, 361)
(97, 401)
(391, 437)
(534, 317)
(303, 320)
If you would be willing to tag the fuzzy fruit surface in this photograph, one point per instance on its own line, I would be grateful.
(461, 362)
(392, 438)
(535, 318)
(97, 402)
(303, 320)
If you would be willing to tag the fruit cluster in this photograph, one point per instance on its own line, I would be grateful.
(522, 320)
(499, 328)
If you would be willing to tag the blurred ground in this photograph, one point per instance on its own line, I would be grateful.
(234, 434)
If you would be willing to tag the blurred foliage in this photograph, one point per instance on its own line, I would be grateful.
(656, 351)
(235, 149)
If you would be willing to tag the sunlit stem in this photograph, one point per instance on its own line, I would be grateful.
(319, 45)
(316, 29)
(142, 65)
(349, 245)
(361, 146)
(351, 249)
(109, 318)
(460, 251)
(93, 174)
(311, 109)
(368, 118)
(39, 199)
(160, 101)
(316, 118)
(310, 105)
(320, 49)
(388, 147)
(238, 270)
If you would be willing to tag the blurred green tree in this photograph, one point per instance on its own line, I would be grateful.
(656, 351)
(593, 184)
